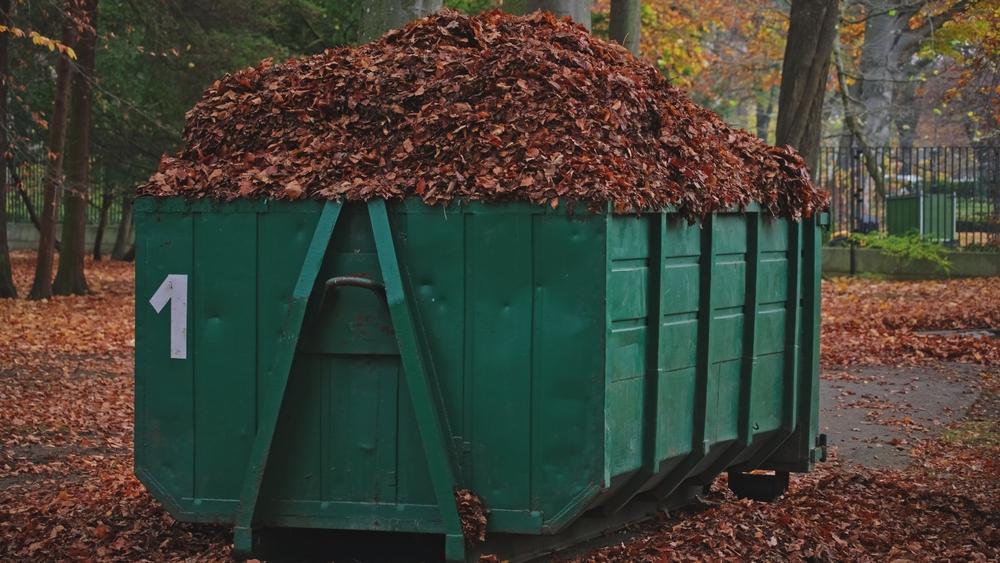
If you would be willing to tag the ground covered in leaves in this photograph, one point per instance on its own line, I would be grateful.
(488, 108)
(868, 322)
(67, 490)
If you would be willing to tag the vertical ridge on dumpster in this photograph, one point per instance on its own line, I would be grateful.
(748, 363)
(243, 538)
(800, 451)
(426, 397)
(703, 364)
(164, 395)
(654, 368)
(793, 312)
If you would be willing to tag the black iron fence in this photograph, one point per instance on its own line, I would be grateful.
(24, 197)
(949, 194)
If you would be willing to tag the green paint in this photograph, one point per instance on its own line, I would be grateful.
(550, 363)
(931, 216)
(278, 375)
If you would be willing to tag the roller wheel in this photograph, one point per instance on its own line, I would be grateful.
(762, 487)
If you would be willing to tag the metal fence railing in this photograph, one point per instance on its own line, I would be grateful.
(949, 194)
(26, 183)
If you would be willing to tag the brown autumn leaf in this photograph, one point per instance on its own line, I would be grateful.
(294, 190)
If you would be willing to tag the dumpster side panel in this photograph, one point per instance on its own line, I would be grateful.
(498, 312)
(729, 391)
(568, 362)
(223, 284)
(164, 430)
(196, 416)
(628, 279)
(769, 379)
(679, 338)
(799, 452)
(507, 301)
(282, 240)
(569, 353)
(729, 291)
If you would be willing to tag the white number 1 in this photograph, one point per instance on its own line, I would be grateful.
(175, 290)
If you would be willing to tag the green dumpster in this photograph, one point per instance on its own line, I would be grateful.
(318, 365)
(930, 215)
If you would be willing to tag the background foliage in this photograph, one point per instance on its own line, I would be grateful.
(155, 58)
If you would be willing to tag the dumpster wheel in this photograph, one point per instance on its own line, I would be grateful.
(759, 486)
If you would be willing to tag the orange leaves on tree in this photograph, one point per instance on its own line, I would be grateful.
(40, 40)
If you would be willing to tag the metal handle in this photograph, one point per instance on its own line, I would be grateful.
(353, 281)
(350, 281)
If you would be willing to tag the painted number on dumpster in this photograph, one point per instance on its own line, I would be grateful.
(175, 290)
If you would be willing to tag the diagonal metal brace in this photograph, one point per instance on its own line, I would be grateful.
(427, 407)
(243, 536)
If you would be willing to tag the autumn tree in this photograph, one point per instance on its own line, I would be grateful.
(379, 16)
(70, 279)
(812, 29)
(969, 47)
(41, 288)
(894, 31)
(7, 287)
(626, 23)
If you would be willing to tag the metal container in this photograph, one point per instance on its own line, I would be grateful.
(933, 216)
(349, 367)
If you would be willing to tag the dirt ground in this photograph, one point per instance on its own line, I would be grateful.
(913, 420)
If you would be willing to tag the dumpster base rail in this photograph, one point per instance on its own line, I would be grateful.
(592, 530)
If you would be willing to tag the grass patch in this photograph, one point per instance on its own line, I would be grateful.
(973, 433)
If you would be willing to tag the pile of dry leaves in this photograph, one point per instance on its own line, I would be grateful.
(872, 322)
(472, 511)
(492, 108)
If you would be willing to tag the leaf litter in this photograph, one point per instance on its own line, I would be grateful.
(67, 489)
(493, 108)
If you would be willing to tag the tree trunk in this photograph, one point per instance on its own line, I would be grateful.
(107, 198)
(764, 112)
(811, 30)
(380, 16)
(872, 164)
(15, 181)
(70, 279)
(578, 10)
(124, 230)
(906, 116)
(7, 288)
(886, 53)
(906, 119)
(41, 288)
(626, 23)
(877, 71)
